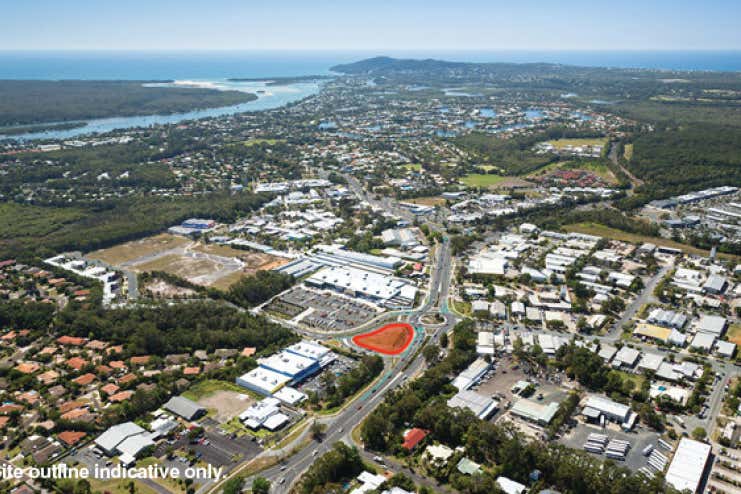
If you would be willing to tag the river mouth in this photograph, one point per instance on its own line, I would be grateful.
(268, 98)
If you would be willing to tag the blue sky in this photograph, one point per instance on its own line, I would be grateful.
(366, 25)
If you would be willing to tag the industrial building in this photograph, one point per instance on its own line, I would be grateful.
(715, 325)
(405, 238)
(472, 374)
(688, 465)
(597, 406)
(126, 439)
(533, 411)
(185, 408)
(481, 406)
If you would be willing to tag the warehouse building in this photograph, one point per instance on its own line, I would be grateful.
(126, 439)
(349, 256)
(472, 374)
(688, 466)
(715, 325)
(481, 406)
(534, 412)
(596, 406)
(185, 408)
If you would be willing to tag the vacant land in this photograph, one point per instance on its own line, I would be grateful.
(734, 333)
(256, 141)
(391, 339)
(483, 180)
(613, 233)
(225, 405)
(578, 142)
(428, 201)
(628, 153)
(161, 289)
(213, 265)
(137, 249)
(597, 167)
(202, 270)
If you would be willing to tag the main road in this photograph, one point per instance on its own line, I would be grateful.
(397, 371)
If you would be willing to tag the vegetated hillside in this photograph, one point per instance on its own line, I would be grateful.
(32, 102)
(614, 83)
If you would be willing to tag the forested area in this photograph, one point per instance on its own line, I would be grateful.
(46, 230)
(422, 403)
(330, 471)
(35, 101)
(175, 328)
(513, 156)
(258, 288)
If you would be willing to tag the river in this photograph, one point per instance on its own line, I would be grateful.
(268, 98)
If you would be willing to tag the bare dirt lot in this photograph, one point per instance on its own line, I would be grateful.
(226, 404)
(212, 265)
(163, 289)
(137, 249)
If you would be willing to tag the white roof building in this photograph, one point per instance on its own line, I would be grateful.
(472, 374)
(688, 465)
(715, 325)
(626, 356)
(725, 348)
(111, 438)
(650, 361)
(263, 381)
(510, 486)
(481, 406)
(289, 395)
(611, 409)
(439, 453)
(534, 411)
(703, 341)
(135, 444)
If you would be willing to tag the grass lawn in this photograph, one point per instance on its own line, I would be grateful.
(428, 201)
(636, 378)
(461, 306)
(613, 233)
(734, 333)
(585, 141)
(119, 486)
(254, 142)
(210, 386)
(482, 180)
(628, 153)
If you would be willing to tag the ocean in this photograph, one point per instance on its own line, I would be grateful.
(103, 65)
(214, 68)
